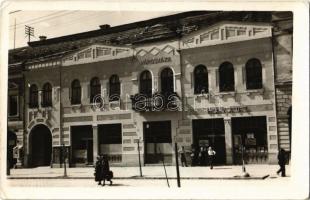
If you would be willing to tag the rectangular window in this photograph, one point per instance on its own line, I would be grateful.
(13, 105)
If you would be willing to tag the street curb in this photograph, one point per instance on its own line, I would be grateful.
(151, 178)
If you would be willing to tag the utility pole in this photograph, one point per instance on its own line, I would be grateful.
(138, 143)
(177, 163)
(29, 31)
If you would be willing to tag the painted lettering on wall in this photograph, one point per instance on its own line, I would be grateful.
(155, 60)
(231, 109)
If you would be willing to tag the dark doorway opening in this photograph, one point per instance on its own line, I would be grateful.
(251, 133)
(110, 141)
(41, 146)
(82, 145)
(11, 143)
(210, 132)
(157, 142)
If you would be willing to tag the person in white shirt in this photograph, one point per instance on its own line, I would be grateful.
(211, 155)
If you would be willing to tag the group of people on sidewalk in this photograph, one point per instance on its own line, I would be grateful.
(201, 157)
(102, 170)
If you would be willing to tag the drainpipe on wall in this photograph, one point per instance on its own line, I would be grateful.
(181, 79)
(274, 78)
(25, 162)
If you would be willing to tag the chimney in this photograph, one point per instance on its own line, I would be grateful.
(42, 37)
(104, 26)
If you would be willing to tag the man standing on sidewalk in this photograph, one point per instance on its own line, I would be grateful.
(281, 161)
(211, 154)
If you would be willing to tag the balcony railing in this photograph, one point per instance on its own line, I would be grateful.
(156, 102)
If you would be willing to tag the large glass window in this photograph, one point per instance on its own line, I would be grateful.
(167, 86)
(201, 80)
(254, 78)
(146, 83)
(47, 95)
(115, 88)
(95, 90)
(33, 96)
(75, 92)
(226, 76)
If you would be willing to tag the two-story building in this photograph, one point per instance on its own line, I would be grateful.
(199, 79)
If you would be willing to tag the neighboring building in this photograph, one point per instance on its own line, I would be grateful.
(15, 134)
(283, 50)
(196, 78)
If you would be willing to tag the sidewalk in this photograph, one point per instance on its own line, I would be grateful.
(152, 172)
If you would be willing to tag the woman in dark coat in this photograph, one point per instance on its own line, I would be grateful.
(98, 170)
(106, 174)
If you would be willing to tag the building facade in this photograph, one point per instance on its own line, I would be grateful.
(184, 80)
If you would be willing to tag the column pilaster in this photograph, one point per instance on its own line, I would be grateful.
(95, 142)
(228, 141)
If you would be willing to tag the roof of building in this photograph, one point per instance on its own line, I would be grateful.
(151, 30)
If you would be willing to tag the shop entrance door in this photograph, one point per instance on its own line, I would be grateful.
(82, 145)
(210, 132)
(251, 133)
(157, 142)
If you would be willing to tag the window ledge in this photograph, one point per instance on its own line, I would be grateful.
(252, 91)
(221, 94)
(206, 95)
(76, 105)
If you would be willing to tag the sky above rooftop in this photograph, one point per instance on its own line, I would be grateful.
(58, 23)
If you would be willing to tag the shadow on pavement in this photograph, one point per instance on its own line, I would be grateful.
(221, 168)
(116, 184)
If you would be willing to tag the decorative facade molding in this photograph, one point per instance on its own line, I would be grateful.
(96, 53)
(226, 32)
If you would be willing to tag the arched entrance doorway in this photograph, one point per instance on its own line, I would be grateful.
(11, 143)
(40, 146)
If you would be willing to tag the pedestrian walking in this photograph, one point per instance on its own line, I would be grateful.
(201, 158)
(183, 157)
(211, 155)
(281, 162)
(98, 170)
(106, 173)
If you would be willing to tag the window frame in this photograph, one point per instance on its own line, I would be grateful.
(146, 85)
(167, 81)
(114, 88)
(226, 70)
(253, 74)
(17, 105)
(47, 100)
(95, 89)
(198, 86)
(76, 92)
(33, 96)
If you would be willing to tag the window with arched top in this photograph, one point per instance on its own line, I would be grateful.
(75, 92)
(33, 96)
(254, 79)
(227, 78)
(47, 95)
(95, 90)
(166, 79)
(146, 83)
(201, 80)
(115, 88)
